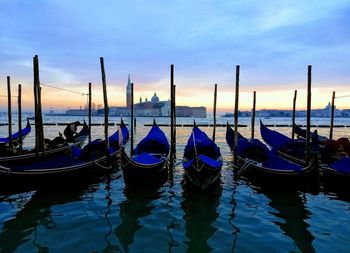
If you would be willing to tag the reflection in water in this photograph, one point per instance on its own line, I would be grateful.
(200, 213)
(291, 208)
(109, 247)
(173, 224)
(137, 205)
(37, 212)
(236, 230)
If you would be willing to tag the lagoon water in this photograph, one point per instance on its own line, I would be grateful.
(103, 215)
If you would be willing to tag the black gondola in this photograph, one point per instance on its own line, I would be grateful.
(74, 161)
(54, 147)
(146, 166)
(202, 160)
(261, 163)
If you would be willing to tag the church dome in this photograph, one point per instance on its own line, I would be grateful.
(155, 99)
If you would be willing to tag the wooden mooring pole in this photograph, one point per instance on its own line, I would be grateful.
(172, 151)
(308, 114)
(253, 115)
(293, 113)
(174, 115)
(132, 121)
(236, 116)
(214, 111)
(106, 110)
(89, 119)
(19, 101)
(332, 117)
(39, 130)
(9, 112)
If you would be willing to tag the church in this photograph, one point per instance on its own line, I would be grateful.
(147, 108)
(154, 107)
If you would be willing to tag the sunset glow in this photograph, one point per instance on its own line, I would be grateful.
(273, 42)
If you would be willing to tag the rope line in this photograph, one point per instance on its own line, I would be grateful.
(5, 96)
(63, 89)
(345, 96)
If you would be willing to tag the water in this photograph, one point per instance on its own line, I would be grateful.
(102, 215)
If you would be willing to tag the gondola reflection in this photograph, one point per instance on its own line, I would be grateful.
(200, 209)
(38, 212)
(292, 217)
(137, 205)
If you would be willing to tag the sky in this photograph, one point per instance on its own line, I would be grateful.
(272, 41)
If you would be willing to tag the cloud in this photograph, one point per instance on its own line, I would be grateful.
(272, 41)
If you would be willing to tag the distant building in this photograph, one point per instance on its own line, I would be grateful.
(81, 112)
(325, 112)
(186, 111)
(153, 108)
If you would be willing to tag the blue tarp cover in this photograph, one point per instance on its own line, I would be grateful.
(273, 138)
(188, 164)
(213, 163)
(204, 145)
(145, 158)
(278, 163)
(25, 131)
(154, 142)
(342, 165)
(248, 148)
(114, 138)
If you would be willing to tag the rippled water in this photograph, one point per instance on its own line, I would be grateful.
(102, 215)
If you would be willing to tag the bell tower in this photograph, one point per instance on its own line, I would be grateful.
(128, 93)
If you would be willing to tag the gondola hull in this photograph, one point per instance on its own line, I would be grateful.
(39, 177)
(308, 176)
(200, 174)
(258, 163)
(142, 174)
(335, 180)
(62, 164)
(24, 157)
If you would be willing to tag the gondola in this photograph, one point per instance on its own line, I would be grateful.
(301, 134)
(257, 161)
(288, 148)
(147, 164)
(336, 175)
(73, 162)
(339, 147)
(202, 160)
(335, 170)
(15, 137)
(54, 147)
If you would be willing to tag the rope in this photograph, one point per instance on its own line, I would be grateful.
(195, 149)
(5, 96)
(103, 167)
(345, 96)
(63, 89)
(245, 166)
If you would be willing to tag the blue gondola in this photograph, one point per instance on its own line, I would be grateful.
(74, 161)
(54, 147)
(15, 137)
(335, 169)
(301, 134)
(202, 160)
(257, 161)
(147, 165)
(293, 150)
